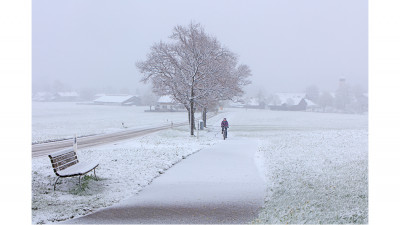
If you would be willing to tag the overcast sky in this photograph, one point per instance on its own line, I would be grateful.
(288, 44)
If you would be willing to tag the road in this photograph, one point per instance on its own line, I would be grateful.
(221, 184)
(83, 142)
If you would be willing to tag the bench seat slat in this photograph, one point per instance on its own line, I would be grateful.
(59, 162)
(61, 152)
(78, 169)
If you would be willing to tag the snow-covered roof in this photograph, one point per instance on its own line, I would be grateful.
(165, 99)
(236, 104)
(68, 94)
(253, 102)
(310, 103)
(288, 98)
(113, 98)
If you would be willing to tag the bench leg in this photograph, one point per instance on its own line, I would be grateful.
(80, 182)
(94, 171)
(56, 183)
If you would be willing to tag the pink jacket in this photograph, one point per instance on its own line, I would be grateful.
(224, 123)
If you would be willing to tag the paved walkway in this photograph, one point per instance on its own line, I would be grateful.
(217, 185)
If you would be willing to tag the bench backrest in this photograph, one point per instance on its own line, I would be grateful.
(63, 159)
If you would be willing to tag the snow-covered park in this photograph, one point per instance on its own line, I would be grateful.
(315, 164)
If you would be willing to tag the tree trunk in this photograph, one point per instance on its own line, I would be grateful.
(191, 117)
(192, 108)
(205, 117)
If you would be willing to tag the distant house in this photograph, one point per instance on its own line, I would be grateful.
(43, 97)
(311, 106)
(361, 102)
(167, 104)
(123, 100)
(254, 103)
(96, 96)
(290, 102)
(70, 96)
(364, 102)
(237, 102)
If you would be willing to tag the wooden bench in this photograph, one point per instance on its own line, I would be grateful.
(65, 164)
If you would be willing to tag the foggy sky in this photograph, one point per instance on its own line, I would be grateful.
(288, 45)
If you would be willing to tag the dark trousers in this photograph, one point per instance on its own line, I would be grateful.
(223, 131)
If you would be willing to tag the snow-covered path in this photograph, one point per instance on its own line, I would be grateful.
(220, 184)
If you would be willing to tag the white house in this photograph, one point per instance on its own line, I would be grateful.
(255, 104)
(124, 100)
(237, 102)
(290, 102)
(68, 96)
(167, 104)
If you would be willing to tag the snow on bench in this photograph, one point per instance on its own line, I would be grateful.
(66, 164)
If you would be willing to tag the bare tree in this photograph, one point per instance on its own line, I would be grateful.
(325, 100)
(59, 86)
(261, 98)
(194, 69)
(343, 97)
(312, 93)
(149, 98)
(361, 99)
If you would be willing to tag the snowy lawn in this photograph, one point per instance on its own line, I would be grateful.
(316, 165)
(125, 168)
(316, 177)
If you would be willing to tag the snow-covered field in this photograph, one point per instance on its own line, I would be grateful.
(61, 120)
(316, 164)
(316, 177)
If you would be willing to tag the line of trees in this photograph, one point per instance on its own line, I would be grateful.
(345, 99)
(194, 69)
